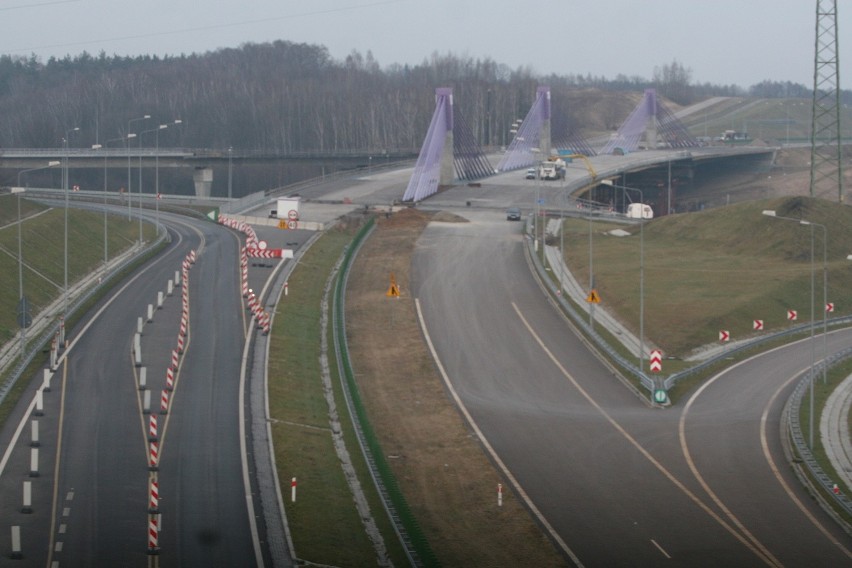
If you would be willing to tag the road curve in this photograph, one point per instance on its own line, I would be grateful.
(91, 496)
(608, 473)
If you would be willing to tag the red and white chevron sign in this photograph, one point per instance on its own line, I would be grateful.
(656, 360)
(792, 315)
(265, 253)
(829, 307)
(724, 335)
(757, 325)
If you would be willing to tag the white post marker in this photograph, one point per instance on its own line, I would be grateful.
(28, 497)
(146, 402)
(150, 313)
(159, 299)
(293, 490)
(170, 287)
(45, 384)
(286, 288)
(16, 543)
(139, 324)
(177, 278)
(499, 494)
(33, 462)
(34, 442)
(39, 409)
(143, 378)
(137, 349)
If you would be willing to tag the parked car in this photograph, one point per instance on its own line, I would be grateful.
(530, 173)
(513, 214)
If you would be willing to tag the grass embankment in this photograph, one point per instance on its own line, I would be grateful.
(718, 270)
(43, 251)
(324, 523)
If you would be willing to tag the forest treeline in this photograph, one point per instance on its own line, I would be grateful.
(286, 97)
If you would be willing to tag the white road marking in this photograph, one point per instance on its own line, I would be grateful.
(645, 453)
(660, 548)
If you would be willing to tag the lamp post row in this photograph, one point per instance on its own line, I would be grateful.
(771, 213)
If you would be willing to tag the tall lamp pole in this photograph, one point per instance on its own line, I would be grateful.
(106, 232)
(129, 179)
(230, 174)
(641, 272)
(22, 303)
(771, 213)
(65, 190)
(157, 170)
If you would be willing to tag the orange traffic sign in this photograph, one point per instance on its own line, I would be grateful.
(393, 291)
(593, 297)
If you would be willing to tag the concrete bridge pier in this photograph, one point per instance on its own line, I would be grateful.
(203, 179)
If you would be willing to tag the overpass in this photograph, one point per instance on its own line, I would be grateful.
(200, 160)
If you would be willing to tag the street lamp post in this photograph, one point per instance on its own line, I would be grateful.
(106, 230)
(65, 190)
(21, 302)
(771, 213)
(641, 271)
(230, 173)
(129, 179)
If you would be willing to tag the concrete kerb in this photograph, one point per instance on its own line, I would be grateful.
(834, 431)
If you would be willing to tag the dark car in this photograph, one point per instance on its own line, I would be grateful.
(513, 214)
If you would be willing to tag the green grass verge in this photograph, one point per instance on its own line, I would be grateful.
(719, 269)
(43, 250)
(324, 523)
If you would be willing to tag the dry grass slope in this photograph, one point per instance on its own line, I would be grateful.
(447, 479)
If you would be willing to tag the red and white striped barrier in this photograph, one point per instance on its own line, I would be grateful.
(192, 256)
(180, 343)
(170, 379)
(153, 534)
(154, 456)
(164, 402)
(153, 496)
(183, 325)
(153, 435)
(174, 363)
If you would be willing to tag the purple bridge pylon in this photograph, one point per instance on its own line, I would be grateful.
(449, 152)
(652, 121)
(535, 141)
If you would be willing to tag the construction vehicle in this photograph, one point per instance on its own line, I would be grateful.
(552, 168)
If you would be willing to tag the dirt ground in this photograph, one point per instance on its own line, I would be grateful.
(449, 483)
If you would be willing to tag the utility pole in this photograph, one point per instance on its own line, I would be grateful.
(826, 147)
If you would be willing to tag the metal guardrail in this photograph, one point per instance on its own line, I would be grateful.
(581, 322)
(410, 534)
(670, 381)
(794, 430)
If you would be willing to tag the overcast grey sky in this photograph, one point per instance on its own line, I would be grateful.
(722, 41)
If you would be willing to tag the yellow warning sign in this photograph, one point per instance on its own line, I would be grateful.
(282, 224)
(594, 298)
(393, 291)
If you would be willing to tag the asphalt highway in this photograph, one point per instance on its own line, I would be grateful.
(617, 482)
(90, 499)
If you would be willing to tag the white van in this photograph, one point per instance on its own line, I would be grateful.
(639, 211)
